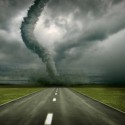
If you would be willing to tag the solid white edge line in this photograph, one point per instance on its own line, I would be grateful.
(49, 118)
(16, 99)
(54, 99)
(100, 102)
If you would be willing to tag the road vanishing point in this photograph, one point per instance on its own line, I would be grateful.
(59, 106)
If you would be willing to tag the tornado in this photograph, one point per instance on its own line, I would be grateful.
(27, 33)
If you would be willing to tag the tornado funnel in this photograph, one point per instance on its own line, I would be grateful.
(27, 33)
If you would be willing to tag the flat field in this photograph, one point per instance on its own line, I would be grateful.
(8, 93)
(112, 96)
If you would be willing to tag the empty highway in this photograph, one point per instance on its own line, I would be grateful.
(59, 106)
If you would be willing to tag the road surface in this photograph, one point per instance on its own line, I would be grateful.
(58, 106)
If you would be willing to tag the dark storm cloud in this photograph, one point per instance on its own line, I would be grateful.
(105, 58)
(116, 1)
(93, 7)
(14, 53)
(65, 6)
(100, 20)
(11, 8)
(11, 49)
(83, 25)
(99, 30)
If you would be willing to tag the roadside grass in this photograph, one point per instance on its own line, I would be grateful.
(112, 96)
(8, 93)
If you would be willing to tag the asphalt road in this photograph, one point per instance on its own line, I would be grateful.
(59, 107)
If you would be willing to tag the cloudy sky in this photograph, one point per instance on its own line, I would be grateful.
(87, 35)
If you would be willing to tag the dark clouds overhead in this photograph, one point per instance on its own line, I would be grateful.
(95, 7)
(13, 53)
(88, 34)
(10, 9)
(98, 30)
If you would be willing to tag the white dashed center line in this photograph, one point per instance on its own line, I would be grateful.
(49, 118)
(56, 90)
(55, 93)
(54, 99)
